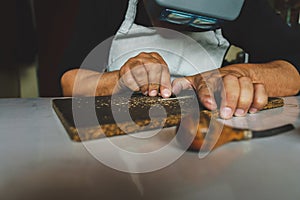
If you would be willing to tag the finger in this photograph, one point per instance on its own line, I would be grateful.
(140, 76)
(165, 83)
(165, 77)
(260, 98)
(206, 96)
(246, 96)
(152, 63)
(204, 92)
(180, 84)
(230, 96)
(154, 75)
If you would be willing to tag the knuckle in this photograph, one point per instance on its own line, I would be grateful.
(153, 67)
(153, 86)
(138, 72)
(129, 81)
(231, 100)
(142, 54)
(244, 102)
(123, 70)
(155, 54)
(231, 94)
(132, 62)
(261, 101)
(230, 77)
(245, 79)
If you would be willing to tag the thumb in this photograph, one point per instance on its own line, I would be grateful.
(180, 84)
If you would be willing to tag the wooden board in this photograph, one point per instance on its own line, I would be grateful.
(78, 114)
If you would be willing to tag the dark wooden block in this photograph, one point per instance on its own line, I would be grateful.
(87, 118)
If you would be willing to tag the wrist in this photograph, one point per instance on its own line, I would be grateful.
(108, 83)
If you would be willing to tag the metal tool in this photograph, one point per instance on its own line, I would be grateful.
(212, 133)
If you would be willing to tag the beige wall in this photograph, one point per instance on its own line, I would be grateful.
(20, 81)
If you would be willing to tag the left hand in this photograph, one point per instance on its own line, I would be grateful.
(148, 73)
(238, 93)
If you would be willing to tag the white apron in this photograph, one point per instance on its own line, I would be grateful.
(185, 54)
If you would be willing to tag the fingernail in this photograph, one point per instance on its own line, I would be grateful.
(209, 102)
(145, 93)
(239, 112)
(226, 113)
(166, 93)
(252, 110)
(153, 93)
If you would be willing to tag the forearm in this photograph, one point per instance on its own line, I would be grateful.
(280, 78)
(80, 82)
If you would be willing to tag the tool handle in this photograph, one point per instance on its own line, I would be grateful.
(273, 131)
(208, 133)
(216, 137)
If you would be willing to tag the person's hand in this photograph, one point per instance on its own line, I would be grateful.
(148, 73)
(234, 86)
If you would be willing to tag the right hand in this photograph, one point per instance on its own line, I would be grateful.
(238, 91)
(148, 73)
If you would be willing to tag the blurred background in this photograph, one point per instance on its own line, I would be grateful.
(35, 34)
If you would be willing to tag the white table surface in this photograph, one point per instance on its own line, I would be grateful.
(39, 161)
